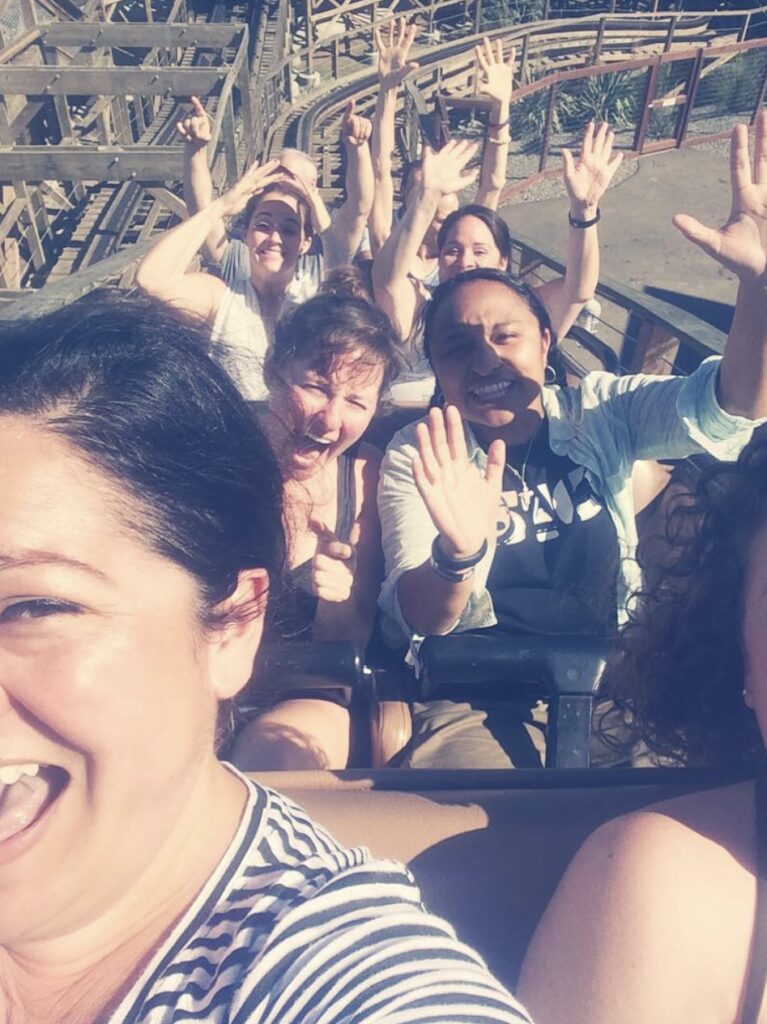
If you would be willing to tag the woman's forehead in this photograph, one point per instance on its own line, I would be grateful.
(476, 300)
(471, 227)
(48, 490)
(356, 366)
(278, 204)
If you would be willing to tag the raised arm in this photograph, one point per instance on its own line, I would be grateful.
(393, 46)
(586, 180)
(498, 76)
(443, 173)
(162, 271)
(741, 247)
(198, 185)
(342, 238)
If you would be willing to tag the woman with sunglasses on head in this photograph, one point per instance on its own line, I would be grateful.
(242, 315)
(511, 507)
(142, 880)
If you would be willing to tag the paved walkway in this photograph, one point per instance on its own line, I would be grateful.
(639, 244)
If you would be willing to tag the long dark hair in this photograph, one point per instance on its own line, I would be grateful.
(445, 292)
(129, 385)
(678, 675)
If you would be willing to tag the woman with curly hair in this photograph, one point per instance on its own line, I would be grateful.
(663, 913)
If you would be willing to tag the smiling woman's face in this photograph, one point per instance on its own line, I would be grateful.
(275, 235)
(107, 704)
(489, 355)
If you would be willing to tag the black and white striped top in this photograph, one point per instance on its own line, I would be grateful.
(292, 928)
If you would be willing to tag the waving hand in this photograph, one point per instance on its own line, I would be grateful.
(393, 51)
(740, 244)
(587, 178)
(461, 501)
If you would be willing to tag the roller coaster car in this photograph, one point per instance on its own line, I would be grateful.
(487, 848)
(565, 672)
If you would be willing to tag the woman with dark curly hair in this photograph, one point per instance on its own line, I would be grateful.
(655, 918)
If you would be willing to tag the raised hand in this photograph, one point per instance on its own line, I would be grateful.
(498, 74)
(444, 171)
(194, 129)
(334, 564)
(255, 179)
(461, 501)
(393, 45)
(588, 177)
(740, 244)
(355, 129)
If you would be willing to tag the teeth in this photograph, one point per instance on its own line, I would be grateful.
(491, 390)
(11, 773)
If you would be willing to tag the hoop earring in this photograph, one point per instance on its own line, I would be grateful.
(549, 379)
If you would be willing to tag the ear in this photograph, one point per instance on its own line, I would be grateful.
(504, 263)
(233, 642)
(306, 245)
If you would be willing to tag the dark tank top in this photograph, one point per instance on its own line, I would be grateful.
(556, 560)
(300, 604)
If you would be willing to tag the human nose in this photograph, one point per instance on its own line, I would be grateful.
(328, 418)
(486, 359)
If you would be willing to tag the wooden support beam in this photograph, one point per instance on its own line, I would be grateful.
(104, 163)
(17, 80)
(125, 34)
(230, 145)
(66, 129)
(169, 200)
(10, 266)
(11, 215)
(44, 300)
(35, 219)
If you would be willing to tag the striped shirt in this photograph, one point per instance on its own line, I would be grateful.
(292, 928)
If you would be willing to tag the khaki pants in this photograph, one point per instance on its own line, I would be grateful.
(482, 734)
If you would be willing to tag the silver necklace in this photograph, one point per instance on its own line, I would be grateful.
(526, 494)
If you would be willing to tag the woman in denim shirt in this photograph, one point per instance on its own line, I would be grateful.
(511, 506)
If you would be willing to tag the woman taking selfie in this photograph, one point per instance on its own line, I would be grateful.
(143, 881)
(511, 507)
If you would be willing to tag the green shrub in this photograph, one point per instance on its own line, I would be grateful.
(612, 96)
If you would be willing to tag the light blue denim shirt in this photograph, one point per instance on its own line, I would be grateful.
(605, 424)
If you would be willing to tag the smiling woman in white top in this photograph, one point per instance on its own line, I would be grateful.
(241, 315)
(142, 881)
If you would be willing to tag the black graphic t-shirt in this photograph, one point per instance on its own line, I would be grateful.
(556, 562)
